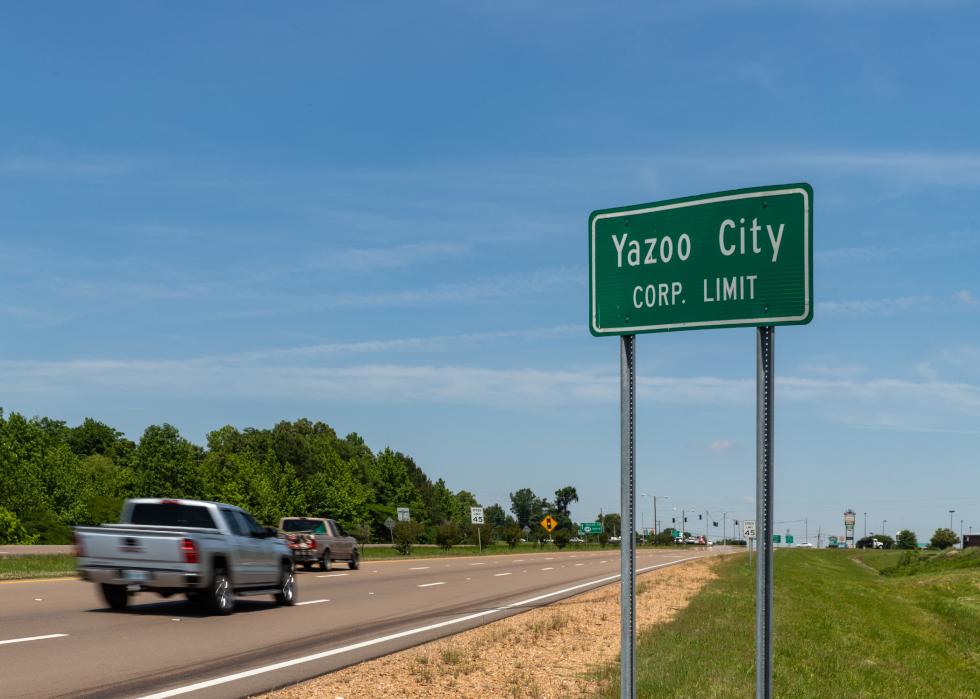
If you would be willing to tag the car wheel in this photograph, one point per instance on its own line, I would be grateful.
(117, 596)
(325, 561)
(355, 561)
(221, 598)
(287, 588)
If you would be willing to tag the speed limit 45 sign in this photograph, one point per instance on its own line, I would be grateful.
(748, 528)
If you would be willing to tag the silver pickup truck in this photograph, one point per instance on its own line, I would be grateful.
(208, 551)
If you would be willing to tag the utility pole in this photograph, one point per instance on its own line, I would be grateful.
(883, 526)
(951, 519)
(806, 530)
(865, 525)
(819, 535)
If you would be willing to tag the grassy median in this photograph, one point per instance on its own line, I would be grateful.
(41, 566)
(844, 627)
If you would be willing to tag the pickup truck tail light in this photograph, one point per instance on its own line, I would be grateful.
(189, 549)
(79, 546)
(312, 541)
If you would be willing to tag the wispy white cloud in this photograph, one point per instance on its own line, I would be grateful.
(403, 255)
(722, 445)
(83, 166)
(866, 307)
(966, 298)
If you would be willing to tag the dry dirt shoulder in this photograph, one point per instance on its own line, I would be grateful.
(544, 653)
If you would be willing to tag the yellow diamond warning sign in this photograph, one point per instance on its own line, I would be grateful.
(549, 523)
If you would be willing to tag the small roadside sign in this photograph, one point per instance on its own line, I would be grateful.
(549, 523)
(748, 528)
(403, 514)
(390, 523)
(777, 539)
(476, 515)
(789, 538)
(589, 528)
(526, 529)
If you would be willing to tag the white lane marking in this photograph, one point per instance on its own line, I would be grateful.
(549, 559)
(312, 601)
(38, 599)
(580, 564)
(519, 560)
(432, 584)
(547, 569)
(334, 575)
(33, 638)
(498, 575)
(205, 684)
(477, 564)
(420, 568)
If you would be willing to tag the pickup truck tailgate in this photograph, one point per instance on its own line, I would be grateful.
(143, 546)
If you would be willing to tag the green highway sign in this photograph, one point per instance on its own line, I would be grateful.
(776, 538)
(789, 538)
(729, 259)
(674, 533)
(589, 528)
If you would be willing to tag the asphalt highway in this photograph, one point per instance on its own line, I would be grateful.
(59, 639)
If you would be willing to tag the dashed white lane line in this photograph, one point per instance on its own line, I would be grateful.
(312, 601)
(478, 564)
(432, 584)
(580, 564)
(333, 575)
(421, 568)
(547, 569)
(33, 638)
(498, 575)
(483, 614)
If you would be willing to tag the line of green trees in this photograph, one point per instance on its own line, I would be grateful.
(54, 476)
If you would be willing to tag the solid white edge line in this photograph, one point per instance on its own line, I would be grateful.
(333, 575)
(433, 584)
(312, 601)
(498, 575)
(390, 637)
(33, 638)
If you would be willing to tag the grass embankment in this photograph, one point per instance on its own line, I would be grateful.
(41, 566)
(373, 552)
(841, 629)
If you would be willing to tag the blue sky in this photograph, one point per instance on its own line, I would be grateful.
(375, 215)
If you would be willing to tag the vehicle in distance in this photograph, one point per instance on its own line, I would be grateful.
(615, 539)
(576, 540)
(805, 545)
(319, 540)
(208, 551)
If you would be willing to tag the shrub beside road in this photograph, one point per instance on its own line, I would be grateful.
(842, 628)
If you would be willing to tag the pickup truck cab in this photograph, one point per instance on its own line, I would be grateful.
(319, 540)
(208, 551)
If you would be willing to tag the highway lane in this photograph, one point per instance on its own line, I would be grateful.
(80, 648)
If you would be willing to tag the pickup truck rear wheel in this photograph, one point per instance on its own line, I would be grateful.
(355, 560)
(325, 560)
(287, 587)
(220, 596)
(115, 595)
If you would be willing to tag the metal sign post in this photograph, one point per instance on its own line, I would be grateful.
(763, 507)
(627, 499)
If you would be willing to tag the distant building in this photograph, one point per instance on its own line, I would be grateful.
(971, 540)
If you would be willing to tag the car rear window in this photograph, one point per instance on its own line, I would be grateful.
(171, 515)
(304, 525)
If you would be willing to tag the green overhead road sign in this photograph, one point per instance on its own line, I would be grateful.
(729, 259)
(589, 528)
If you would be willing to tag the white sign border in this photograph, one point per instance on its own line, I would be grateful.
(709, 323)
